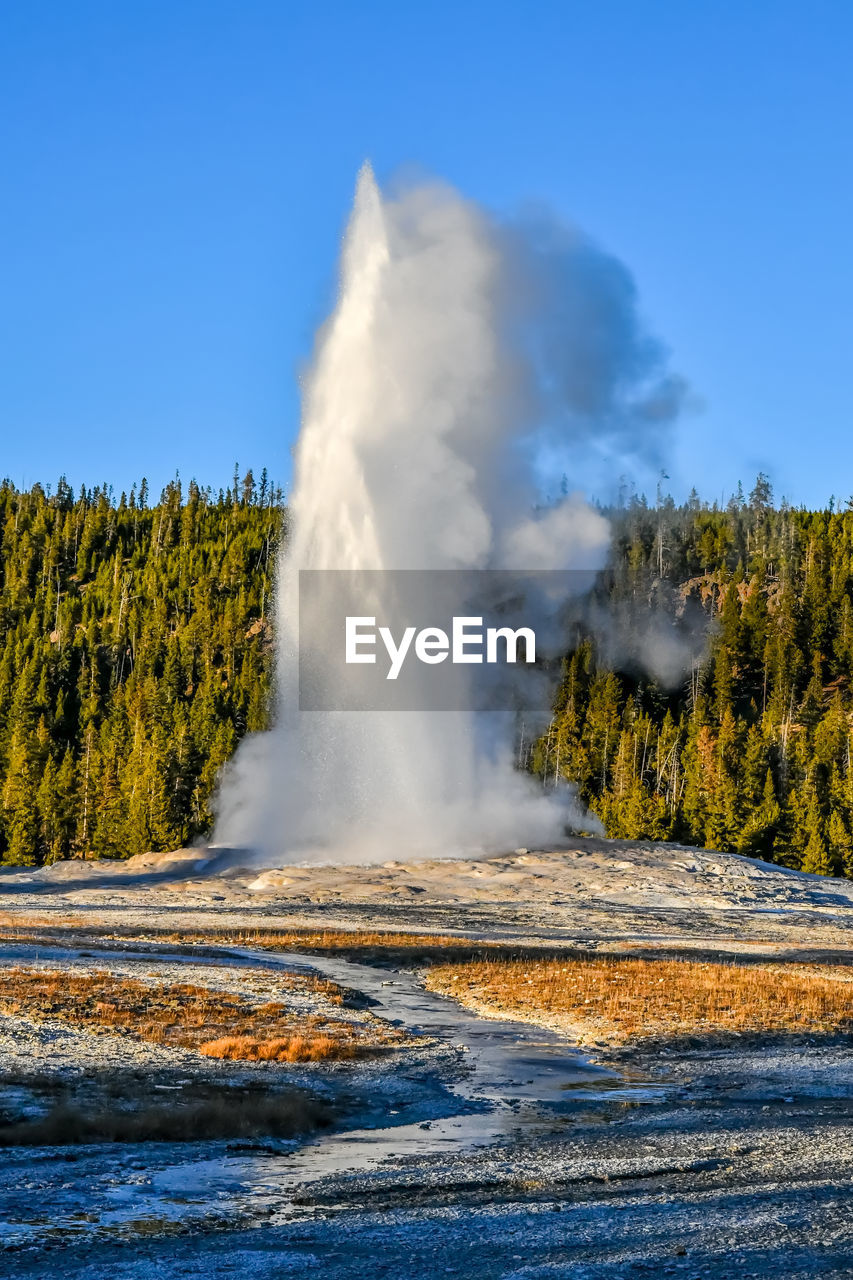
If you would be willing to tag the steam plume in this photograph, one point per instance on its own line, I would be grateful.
(462, 359)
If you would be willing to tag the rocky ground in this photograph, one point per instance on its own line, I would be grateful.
(723, 1161)
(591, 891)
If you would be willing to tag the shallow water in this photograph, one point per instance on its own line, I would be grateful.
(504, 1060)
(515, 1079)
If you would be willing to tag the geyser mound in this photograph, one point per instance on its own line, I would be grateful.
(464, 361)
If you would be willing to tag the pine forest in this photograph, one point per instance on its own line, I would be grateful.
(136, 650)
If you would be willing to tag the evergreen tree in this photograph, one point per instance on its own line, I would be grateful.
(134, 653)
(753, 753)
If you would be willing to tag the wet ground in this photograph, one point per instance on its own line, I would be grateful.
(495, 1152)
(467, 1083)
(487, 1150)
(721, 1188)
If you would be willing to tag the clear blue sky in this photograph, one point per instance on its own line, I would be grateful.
(176, 177)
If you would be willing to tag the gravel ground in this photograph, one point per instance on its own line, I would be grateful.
(724, 1163)
(725, 1188)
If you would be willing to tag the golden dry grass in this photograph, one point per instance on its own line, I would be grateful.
(615, 999)
(183, 1015)
(257, 935)
(296, 1048)
(362, 944)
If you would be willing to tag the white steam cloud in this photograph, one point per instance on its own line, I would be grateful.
(463, 357)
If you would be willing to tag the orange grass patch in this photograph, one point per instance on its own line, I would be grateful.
(617, 999)
(298, 1048)
(183, 1015)
(364, 944)
(357, 942)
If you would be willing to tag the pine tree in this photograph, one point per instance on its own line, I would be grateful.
(20, 804)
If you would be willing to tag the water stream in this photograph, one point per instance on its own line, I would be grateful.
(506, 1061)
(515, 1079)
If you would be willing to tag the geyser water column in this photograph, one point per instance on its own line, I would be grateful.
(448, 370)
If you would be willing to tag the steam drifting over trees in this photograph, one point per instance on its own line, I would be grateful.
(751, 752)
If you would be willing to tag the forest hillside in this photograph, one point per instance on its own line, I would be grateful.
(135, 652)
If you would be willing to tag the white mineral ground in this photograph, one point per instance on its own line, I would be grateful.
(701, 1161)
(592, 889)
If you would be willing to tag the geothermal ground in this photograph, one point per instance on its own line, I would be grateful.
(608, 1060)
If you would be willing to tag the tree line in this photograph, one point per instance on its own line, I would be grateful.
(136, 651)
(748, 750)
(134, 654)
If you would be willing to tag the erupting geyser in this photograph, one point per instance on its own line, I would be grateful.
(463, 357)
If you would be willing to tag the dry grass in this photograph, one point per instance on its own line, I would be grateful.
(359, 944)
(182, 1015)
(602, 996)
(615, 999)
(297, 1048)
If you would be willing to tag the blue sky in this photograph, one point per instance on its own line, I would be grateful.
(176, 178)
